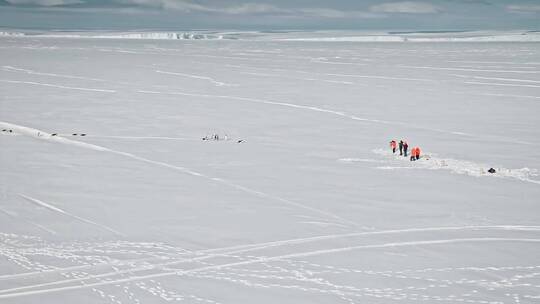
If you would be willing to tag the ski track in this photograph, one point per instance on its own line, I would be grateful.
(509, 95)
(362, 160)
(333, 112)
(258, 260)
(230, 251)
(61, 211)
(57, 86)
(296, 78)
(210, 79)
(507, 79)
(136, 137)
(502, 84)
(464, 167)
(381, 77)
(263, 101)
(467, 70)
(46, 136)
(496, 62)
(330, 74)
(41, 227)
(31, 72)
(325, 61)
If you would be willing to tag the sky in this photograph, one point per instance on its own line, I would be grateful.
(434, 15)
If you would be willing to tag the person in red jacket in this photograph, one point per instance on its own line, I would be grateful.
(417, 153)
(393, 145)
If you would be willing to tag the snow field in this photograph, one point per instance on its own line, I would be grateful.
(307, 209)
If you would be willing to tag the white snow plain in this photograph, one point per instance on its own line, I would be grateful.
(110, 195)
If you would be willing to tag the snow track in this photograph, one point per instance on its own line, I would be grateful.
(503, 84)
(32, 72)
(468, 70)
(234, 250)
(46, 136)
(57, 86)
(15, 292)
(210, 79)
(336, 113)
(432, 162)
(41, 227)
(58, 210)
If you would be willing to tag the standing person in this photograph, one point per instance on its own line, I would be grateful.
(401, 147)
(393, 145)
(417, 153)
(405, 148)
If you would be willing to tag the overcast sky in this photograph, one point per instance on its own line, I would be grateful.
(271, 14)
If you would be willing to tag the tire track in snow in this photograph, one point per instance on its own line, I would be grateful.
(46, 136)
(56, 86)
(265, 260)
(58, 210)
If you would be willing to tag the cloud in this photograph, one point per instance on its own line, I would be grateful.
(523, 8)
(190, 7)
(333, 13)
(405, 7)
(198, 7)
(249, 8)
(43, 2)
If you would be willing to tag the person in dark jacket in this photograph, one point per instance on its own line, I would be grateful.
(400, 147)
(405, 148)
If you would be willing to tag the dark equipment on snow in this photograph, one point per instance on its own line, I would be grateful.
(491, 170)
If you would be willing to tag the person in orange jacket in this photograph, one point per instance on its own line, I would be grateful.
(415, 153)
(393, 145)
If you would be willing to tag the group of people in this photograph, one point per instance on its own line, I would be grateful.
(404, 148)
(215, 136)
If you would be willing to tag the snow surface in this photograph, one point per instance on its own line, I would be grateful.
(327, 36)
(110, 195)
